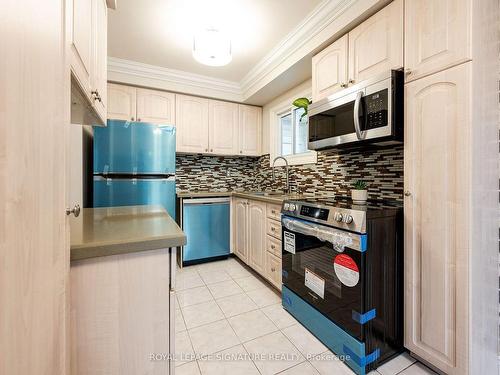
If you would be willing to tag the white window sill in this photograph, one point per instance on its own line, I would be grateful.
(310, 157)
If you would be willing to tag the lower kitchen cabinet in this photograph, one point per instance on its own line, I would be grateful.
(239, 228)
(273, 269)
(252, 241)
(257, 235)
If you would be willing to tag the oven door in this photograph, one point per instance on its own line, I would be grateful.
(326, 267)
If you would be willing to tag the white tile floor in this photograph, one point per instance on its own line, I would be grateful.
(225, 312)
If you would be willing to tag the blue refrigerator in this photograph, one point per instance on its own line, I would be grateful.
(134, 164)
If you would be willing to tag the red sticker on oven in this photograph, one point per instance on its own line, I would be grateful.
(346, 270)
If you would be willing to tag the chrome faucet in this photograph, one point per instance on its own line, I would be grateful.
(287, 190)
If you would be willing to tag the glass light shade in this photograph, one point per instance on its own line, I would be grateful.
(212, 47)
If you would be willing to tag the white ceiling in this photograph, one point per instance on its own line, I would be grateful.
(159, 32)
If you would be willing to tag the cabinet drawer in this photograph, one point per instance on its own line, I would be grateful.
(274, 228)
(274, 211)
(273, 269)
(273, 246)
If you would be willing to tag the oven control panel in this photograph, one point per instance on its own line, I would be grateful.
(334, 216)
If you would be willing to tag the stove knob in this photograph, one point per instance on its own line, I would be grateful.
(338, 217)
(286, 206)
(292, 207)
(348, 219)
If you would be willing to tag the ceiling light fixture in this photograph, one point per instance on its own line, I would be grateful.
(212, 47)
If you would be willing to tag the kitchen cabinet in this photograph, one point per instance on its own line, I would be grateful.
(250, 130)
(273, 269)
(122, 102)
(135, 104)
(223, 127)
(240, 228)
(256, 235)
(376, 45)
(80, 15)
(329, 69)
(437, 35)
(437, 211)
(157, 107)
(99, 61)
(252, 242)
(373, 47)
(87, 36)
(191, 118)
(274, 228)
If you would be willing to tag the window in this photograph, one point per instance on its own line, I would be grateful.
(294, 132)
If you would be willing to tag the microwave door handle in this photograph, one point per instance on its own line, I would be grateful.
(357, 126)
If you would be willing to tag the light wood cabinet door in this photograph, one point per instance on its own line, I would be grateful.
(257, 235)
(121, 102)
(250, 130)
(273, 269)
(329, 69)
(240, 228)
(223, 127)
(155, 106)
(80, 36)
(99, 57)
(437, 159)
(376, 45)
(191, 115)
(437, 35)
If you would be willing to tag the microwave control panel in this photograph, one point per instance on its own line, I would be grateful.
(376, 109)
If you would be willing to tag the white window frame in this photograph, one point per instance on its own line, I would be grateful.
(275, 113)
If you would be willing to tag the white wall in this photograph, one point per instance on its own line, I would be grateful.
(289, 95)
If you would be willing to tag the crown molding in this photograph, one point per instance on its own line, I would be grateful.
(171, 78)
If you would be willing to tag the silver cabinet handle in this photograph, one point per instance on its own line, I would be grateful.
(357, 127)
(407, 193)
(75, 210)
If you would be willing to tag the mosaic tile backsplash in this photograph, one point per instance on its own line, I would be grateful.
(335, 171)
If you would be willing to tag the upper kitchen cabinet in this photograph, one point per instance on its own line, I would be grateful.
(437, 215)
(122, 102)
(437, 35)
(87, 36)
(376, 45)
(192, 124)
(80, 15)
(329, 69)
(223, 127)
(99, 61)
(155, 106)
(133, 104)
(250, 130)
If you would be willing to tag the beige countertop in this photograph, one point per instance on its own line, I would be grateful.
(118, 230)
(266, 197)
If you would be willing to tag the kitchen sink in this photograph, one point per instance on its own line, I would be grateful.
(267, 193)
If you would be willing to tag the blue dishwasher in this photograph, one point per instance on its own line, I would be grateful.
(206, 225)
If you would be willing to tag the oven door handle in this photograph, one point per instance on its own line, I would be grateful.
(357, 126)
(338, 238)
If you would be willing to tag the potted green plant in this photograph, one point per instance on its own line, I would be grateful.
(359, 193)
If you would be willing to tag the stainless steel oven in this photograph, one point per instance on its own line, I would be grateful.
(342, 276)
(370, 111)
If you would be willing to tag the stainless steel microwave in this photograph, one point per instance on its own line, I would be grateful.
(368, 112)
